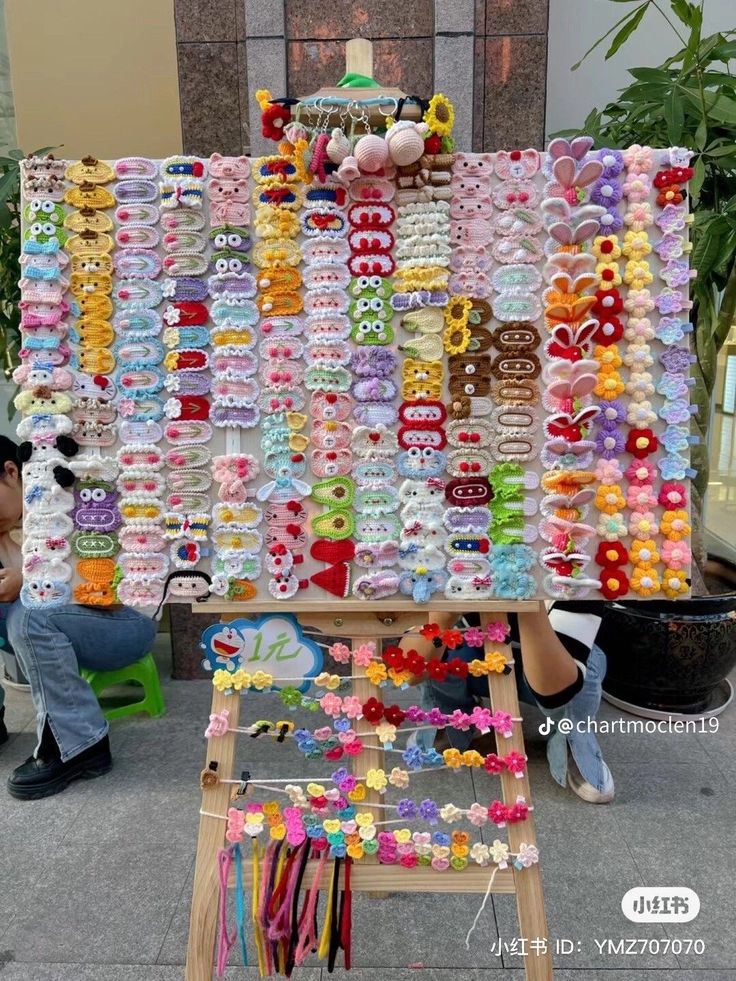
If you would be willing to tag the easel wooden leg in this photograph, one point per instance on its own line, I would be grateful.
(529, 896)
(216, 800)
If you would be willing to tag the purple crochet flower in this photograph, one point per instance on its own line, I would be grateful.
(609, 442)
(675, 438)
(414, 714)
(670, 301)
(612, 413)
(610, 221)
(669, 246)
(435, 717)
(407, 808)
(676, 272)
(338, 776)
(673, 385)
(676, 359)
(429, 812)
(612, 160)
(672, 218)
(676, 410)
(670, 330)
(606, 192)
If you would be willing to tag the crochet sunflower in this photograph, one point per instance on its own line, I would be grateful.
(440, 115)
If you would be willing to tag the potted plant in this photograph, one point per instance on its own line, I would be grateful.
(675, 656)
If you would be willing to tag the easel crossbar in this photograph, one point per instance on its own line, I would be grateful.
(382, 878)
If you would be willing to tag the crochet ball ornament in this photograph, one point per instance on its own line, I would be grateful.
(338, 146)
(405, 142)
(371, 152)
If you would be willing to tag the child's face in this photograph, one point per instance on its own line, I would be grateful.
(11, 497)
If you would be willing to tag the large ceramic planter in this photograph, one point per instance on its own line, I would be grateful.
(670, 657)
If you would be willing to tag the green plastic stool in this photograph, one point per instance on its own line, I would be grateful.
(144, 673)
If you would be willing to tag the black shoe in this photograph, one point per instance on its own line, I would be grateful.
(4, 737)
(48, 775)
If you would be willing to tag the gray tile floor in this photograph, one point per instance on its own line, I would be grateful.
(95, 884)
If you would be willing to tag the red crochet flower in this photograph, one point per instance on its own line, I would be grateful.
(433, 143)
(607, 302)
(452, 638)
(673, 175)
(373, 711)
(612, 554)
(437, 670)
(498, 812)
(394, 657)
(273, 119)
(457, 668)
(493, 764)
(415, 663)
(641, 442)
(609, 331)
(394, 715)
(672, 496)
(614, 582)
(515, 762)
(430, 631)
(518, 812)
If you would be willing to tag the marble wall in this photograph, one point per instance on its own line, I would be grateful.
(489, 56)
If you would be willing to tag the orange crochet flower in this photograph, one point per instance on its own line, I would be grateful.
(609, 498)
(675, 525)
(674, 583)
(609, 385)
(644, 553)
(644, 581)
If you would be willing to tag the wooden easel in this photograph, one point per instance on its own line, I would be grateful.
(361, 622)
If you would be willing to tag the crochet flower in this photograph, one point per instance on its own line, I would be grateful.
(639, 216)
(613, 583)
(172, 315)
(375, 779)
(456, 339)
(493, 764)
(639, 330)
(608, 471)
(437, 671)
(440, 115)
(413, 757)
(126, 407)
(609, 499)
(671, 301)
(474, 637)
(611, 220)
(481, 718)
(394, 714)
(222, 680)
(644, 581)
(363, 654)
(453, 758)
(498, 812)
(637, 274)
(672, 218)
(480, 853)
(606, 248)
(291, 697)
(638, 159)
(527, 855)
(407, 809)
(339, 652)
(644, 552)
(639, 302)
(352, 707)
(611, 527)
(499, 853)
(674, 583)
(450, 813)
(386, 732)
(515, 762)
(643, 524)
(502, 722)
(398, 778)
(472, 758)
(495, 662)
(376, 672)
(168, 288)
(641, 443)
(672, 496)
(452, 639)
(677, 272)
(611, 554)
(640, 497)
(326, 680)
(373, 711)
(606, 192)
(331, 704)
(609, 275)
(607, 356)
(261, 680)
(674, 466)
(676, 555)
(429, 812)
(609, 443)
(609, 384)
(497, 632)
(477, 814)
(641, 472)
(671, 330)
(607, 302)
(637, 187)
(675, 525)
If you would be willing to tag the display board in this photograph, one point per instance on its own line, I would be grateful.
(356, 370)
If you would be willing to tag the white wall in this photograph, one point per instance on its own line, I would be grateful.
(575, 24)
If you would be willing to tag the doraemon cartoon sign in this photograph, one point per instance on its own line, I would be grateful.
(274, 644)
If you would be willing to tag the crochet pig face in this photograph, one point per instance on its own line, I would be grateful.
(229, 167)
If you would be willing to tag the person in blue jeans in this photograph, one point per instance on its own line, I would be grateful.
(559, 668)
(51, 646)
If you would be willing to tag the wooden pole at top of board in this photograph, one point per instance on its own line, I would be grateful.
(528, 882)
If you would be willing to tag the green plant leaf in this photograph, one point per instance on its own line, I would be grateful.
(682, 10)
(627, 30)
(608, 33)
(701, 134)
(697, 182)
(674, 116)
